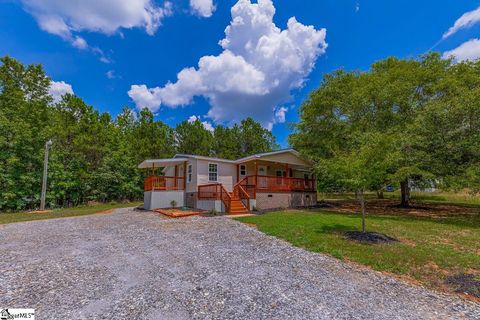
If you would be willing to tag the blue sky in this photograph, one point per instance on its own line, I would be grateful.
(101, 50)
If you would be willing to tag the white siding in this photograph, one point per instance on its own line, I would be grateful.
(227, 173)
(192, 186)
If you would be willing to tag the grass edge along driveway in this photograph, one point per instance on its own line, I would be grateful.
(429, 250)
(7, 217)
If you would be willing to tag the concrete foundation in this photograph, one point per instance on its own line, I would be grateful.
(162, 199)
(209, 205)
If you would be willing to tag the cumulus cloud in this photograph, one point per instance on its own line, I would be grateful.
(258, 68)
(66, 18)
(469, 50)
(58, 88)
(145, 97)
(202, 8)
(207, 125)
(280, 114)
(467, 20)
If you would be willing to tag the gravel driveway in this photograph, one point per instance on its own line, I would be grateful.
(137, 265)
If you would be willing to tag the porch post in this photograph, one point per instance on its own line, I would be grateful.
(238, 173)
(287, 181)
(153, 176)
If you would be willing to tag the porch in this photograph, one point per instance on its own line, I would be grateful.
(165, 183)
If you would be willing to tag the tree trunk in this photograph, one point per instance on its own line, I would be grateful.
(362, 203)
(380, 194)
(405, 191)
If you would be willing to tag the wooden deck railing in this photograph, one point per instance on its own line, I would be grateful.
(164, 183)
(254, 184)
(215, 191)
(240, 192)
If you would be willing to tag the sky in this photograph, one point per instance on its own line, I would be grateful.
(223, 60)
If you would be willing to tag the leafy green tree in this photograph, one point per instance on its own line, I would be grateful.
(193, 138)
(254, 138)
(360, 168)
(385, 100)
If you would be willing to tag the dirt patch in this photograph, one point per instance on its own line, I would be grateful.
(109, 211)
(389, 207)
(369, 237)
(465, 283)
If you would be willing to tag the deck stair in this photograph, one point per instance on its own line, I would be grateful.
(236, 205)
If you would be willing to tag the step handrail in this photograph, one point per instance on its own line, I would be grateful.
(242, 193)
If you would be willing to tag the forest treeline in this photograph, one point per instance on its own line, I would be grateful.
(94, 157)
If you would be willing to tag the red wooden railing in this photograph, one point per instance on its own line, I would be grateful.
(240, 192)
(269, 183)
(163, 183)
(215, 191)
(254, 184)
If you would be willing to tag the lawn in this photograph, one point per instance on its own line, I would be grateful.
(429, 249)
(63, 212)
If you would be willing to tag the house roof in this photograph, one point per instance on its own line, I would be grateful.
(158, 163)
(203, 158)
(271, 153)
(180, 158)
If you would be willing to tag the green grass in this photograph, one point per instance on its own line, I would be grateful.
(62, 213)
(461, 198)
(429, 249)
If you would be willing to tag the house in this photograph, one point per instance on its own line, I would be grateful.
(278, 179)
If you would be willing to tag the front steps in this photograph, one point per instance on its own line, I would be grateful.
(237, 206)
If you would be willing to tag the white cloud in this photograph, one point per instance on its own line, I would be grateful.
(207, 125)
(202, 8)
(469, 50)
(66, 18)
(145, 97)
(110, 74)
(280, 114)
(58, 89)
(259, 67)
(467, 20)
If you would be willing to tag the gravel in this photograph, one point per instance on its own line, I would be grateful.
(139, 265)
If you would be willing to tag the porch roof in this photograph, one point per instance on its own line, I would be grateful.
(159, 163)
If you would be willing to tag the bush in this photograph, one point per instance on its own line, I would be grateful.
(173, 203)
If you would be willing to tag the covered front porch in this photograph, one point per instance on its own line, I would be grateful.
(165, 183)
(260, 175)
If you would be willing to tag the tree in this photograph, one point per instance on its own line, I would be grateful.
(385, 100)
(193, 138)
(359, 168)
(254, 138)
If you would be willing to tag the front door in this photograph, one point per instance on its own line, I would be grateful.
(262, 180)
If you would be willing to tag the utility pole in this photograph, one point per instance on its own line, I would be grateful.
(45, 170)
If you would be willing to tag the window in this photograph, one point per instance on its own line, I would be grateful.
(243, 170)
(189, 173)
(212, 172)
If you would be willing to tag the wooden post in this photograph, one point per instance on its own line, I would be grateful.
(153, 177)
(287, 181)
(238, 173)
